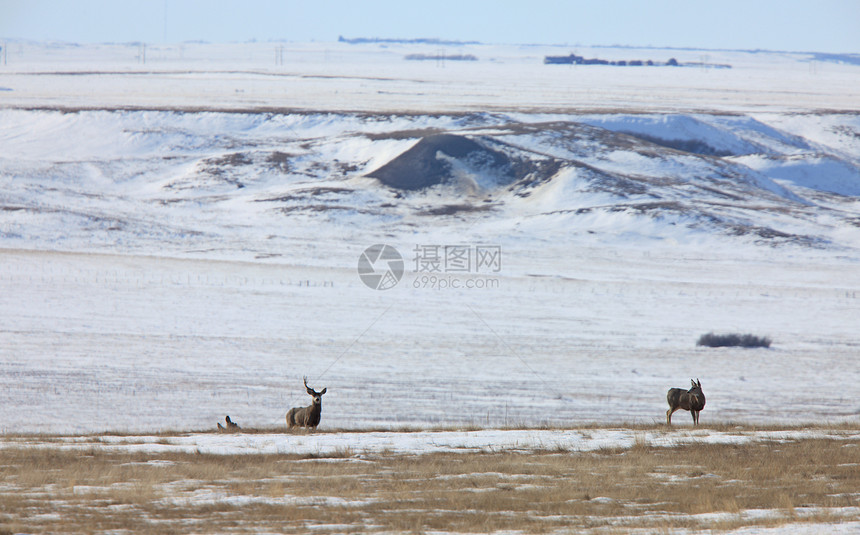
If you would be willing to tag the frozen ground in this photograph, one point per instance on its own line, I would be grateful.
(208, 497)
(163, 266)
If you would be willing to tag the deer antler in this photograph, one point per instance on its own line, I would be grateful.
(309, 389)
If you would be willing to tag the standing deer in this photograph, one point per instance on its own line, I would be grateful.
(307, 416)
(692, 400)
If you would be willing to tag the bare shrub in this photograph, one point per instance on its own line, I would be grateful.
(733, 340)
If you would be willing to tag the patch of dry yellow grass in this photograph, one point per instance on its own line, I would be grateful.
(692, 486)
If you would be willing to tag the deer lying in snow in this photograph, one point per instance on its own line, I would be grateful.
(692, 400)
(231, 425)
(307, 416)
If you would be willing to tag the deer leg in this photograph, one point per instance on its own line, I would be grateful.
(669, 415)
(695, 417)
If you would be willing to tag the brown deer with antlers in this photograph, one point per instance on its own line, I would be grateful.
(692, 400)
(307, 416)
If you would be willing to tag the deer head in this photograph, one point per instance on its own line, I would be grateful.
(316, 395)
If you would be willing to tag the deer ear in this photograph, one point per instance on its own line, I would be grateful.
(323, 391)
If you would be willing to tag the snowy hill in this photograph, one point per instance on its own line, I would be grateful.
(134, 181)
(206, 147)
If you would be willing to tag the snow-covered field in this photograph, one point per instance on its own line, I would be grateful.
(180, 238)
(375, 77)
(95, 342)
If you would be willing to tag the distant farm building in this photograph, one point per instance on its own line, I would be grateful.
(573, 59)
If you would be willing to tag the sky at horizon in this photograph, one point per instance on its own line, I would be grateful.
(792, 25)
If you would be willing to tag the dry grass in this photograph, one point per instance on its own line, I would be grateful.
(694, 486)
